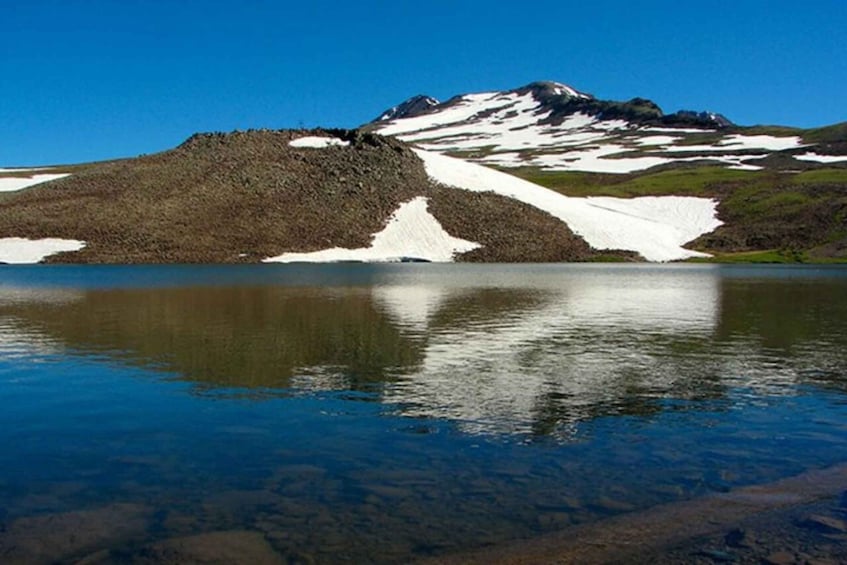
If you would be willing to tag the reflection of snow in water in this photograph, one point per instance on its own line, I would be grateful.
(411, 306)
(578, 345)
(21, 295)
(15, 341)
(589, 346)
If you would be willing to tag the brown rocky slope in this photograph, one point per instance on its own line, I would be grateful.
(244, 196)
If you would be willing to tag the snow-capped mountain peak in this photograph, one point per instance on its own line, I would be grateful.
(545, 89)
(552, 126)
(414, 106)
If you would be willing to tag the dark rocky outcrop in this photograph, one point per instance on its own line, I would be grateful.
(414, 106)
(697, 119)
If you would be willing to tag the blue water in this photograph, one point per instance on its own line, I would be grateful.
(356, 413)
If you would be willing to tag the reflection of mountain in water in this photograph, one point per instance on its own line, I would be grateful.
(17, 341)
(228, 337)
(498, 351)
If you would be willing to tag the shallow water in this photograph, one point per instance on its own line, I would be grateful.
(355, 413)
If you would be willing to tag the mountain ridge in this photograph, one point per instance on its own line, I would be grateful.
(550, 126)
(565, 100)
(587, 180)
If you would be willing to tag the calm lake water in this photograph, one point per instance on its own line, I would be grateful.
(356, 413)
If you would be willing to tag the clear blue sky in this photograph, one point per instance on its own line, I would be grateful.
(84, 80)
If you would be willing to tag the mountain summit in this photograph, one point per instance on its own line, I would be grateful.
(553, 126)
(422, 104)
(414, 106)
(562, 100)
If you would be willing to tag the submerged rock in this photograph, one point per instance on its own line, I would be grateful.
(824, 524)
(231, 548)
(59, 537)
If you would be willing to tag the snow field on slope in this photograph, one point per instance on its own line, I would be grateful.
(821, 158)
(739, 142)
(410, 232)
(16, 250)
(655, 227)
(510, 122)
(502, 125)
(11, 184)
(470, 105)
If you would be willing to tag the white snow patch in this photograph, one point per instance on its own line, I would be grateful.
(821, 158)
(510, 122)
(412, 232)
(464, 109)
(651, 140)
(564, 89)
(577, 121)
(317, 142)
(743, 167)
(677, 130)
(10, 184)
(19, 251)
(411, 305)
(767, 142)
(655, 227)
(592, 160)
(613, 125)
(675, 211)
(736, 142)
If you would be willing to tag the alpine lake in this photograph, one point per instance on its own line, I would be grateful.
(355, 413)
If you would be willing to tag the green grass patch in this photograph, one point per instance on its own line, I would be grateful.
(687, 181)
(783, 201)
(683, 181)
(772, 256)
(829, 134)
(820, 176)
(769, 257)
(783, 215)
(610, 258)
(709, 138)
(776, 131)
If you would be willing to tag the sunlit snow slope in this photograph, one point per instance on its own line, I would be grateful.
(655, 227)
(20, 250)
(12, 179)
(412, 233)
(527, 127)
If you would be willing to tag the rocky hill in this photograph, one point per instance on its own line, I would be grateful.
(250, 196)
